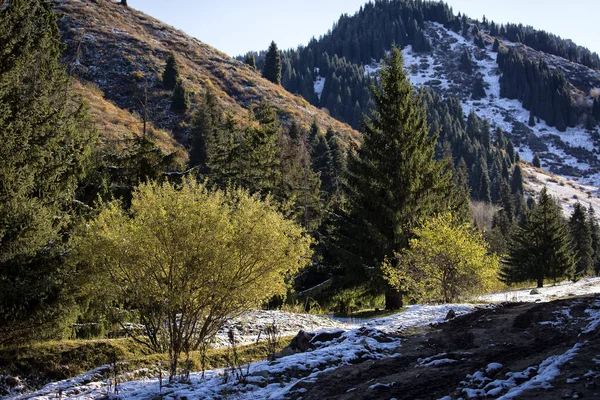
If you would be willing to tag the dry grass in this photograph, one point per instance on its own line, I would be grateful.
(124, 51)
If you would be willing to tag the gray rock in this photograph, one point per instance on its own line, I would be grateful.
(451, 314)
(326, 336)
(301, 342)
(534, 291)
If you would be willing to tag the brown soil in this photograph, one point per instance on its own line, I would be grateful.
(510, 334)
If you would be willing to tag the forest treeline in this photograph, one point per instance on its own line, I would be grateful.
(339, 57)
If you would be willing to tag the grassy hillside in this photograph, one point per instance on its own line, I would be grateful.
(123, 52)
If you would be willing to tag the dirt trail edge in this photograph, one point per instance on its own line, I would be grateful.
(513, 351)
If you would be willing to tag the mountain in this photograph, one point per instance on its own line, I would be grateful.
(540, 90)
(118, 54)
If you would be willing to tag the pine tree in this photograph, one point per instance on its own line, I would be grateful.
(393, 180)
(542, 248)
(516, 183)
(536, 161)
(170, 76)
(595, 234)
(46, 145)
(250, 60)
(180, 101)
(478, 90)
(581, 235)
(531, 119)
(496, 46)
(465, 62)
(205, 130)
(272, 68)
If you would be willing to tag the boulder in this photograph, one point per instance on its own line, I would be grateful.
(326, 336)
(451, 314)
(301, 342)
(534, 291)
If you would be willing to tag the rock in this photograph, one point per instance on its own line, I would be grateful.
(284, 353)
(534, 291)
(326, 336)
(301, 342)
(451, 314)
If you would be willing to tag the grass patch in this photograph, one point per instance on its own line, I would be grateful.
(40, 363)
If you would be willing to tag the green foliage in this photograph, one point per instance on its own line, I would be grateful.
(205, 124)
(46, 141)
(536, 161)
(542, 248)
(478, 90)
(272, 68)
(393, 180)
(581, 236)
(250, 60)
(466, 64)
(189, 258)
(171, 73)
(447, 259)
(180, 101)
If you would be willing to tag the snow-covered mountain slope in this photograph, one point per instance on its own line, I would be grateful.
(571, 154)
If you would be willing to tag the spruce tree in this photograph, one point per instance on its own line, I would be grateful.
(478, 90)
(46, 146)
(542, 248)
(170, 76)
(496, 46)
(516, 183)
(250, 60)
(595, 234)
(205, 130)
(581, 235)
(536, 161)
(465, 62)
(272, 68)
(393, 180)
(180, 101)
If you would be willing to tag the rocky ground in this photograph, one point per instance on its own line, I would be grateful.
(515, 350)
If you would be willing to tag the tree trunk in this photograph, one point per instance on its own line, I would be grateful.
(393, 299)
(540, 282)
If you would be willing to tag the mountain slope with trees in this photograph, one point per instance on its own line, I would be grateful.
(540, 89)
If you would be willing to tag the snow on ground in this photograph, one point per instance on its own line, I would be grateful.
(361, 339)
(426, 69)
(547, 293)
(319, 85)
(251, 324)
(565, 191)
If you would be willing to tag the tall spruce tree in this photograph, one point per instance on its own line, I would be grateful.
(595, 233)
(393, 180)
(46, 145)
(250, 60)
(180, 101)
(542, 248)
(272, 68)
(171, 73)
(581, 235)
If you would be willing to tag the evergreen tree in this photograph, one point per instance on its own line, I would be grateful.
(581, 235)
(393, 180)
(536, 161)
(531, 119)
(180, 101)
(478, 89)
(205, 130)
(46, 146)
(250, 60)
(272, 68)
(465, 62)
(516, 183)
(595, 235)
(496, 46)
(542, 248)
(171, 74)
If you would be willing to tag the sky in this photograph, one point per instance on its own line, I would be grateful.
(237, 26)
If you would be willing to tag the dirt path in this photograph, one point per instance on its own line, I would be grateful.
(435, 362)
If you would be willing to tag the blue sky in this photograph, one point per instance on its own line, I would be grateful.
(236, 26)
